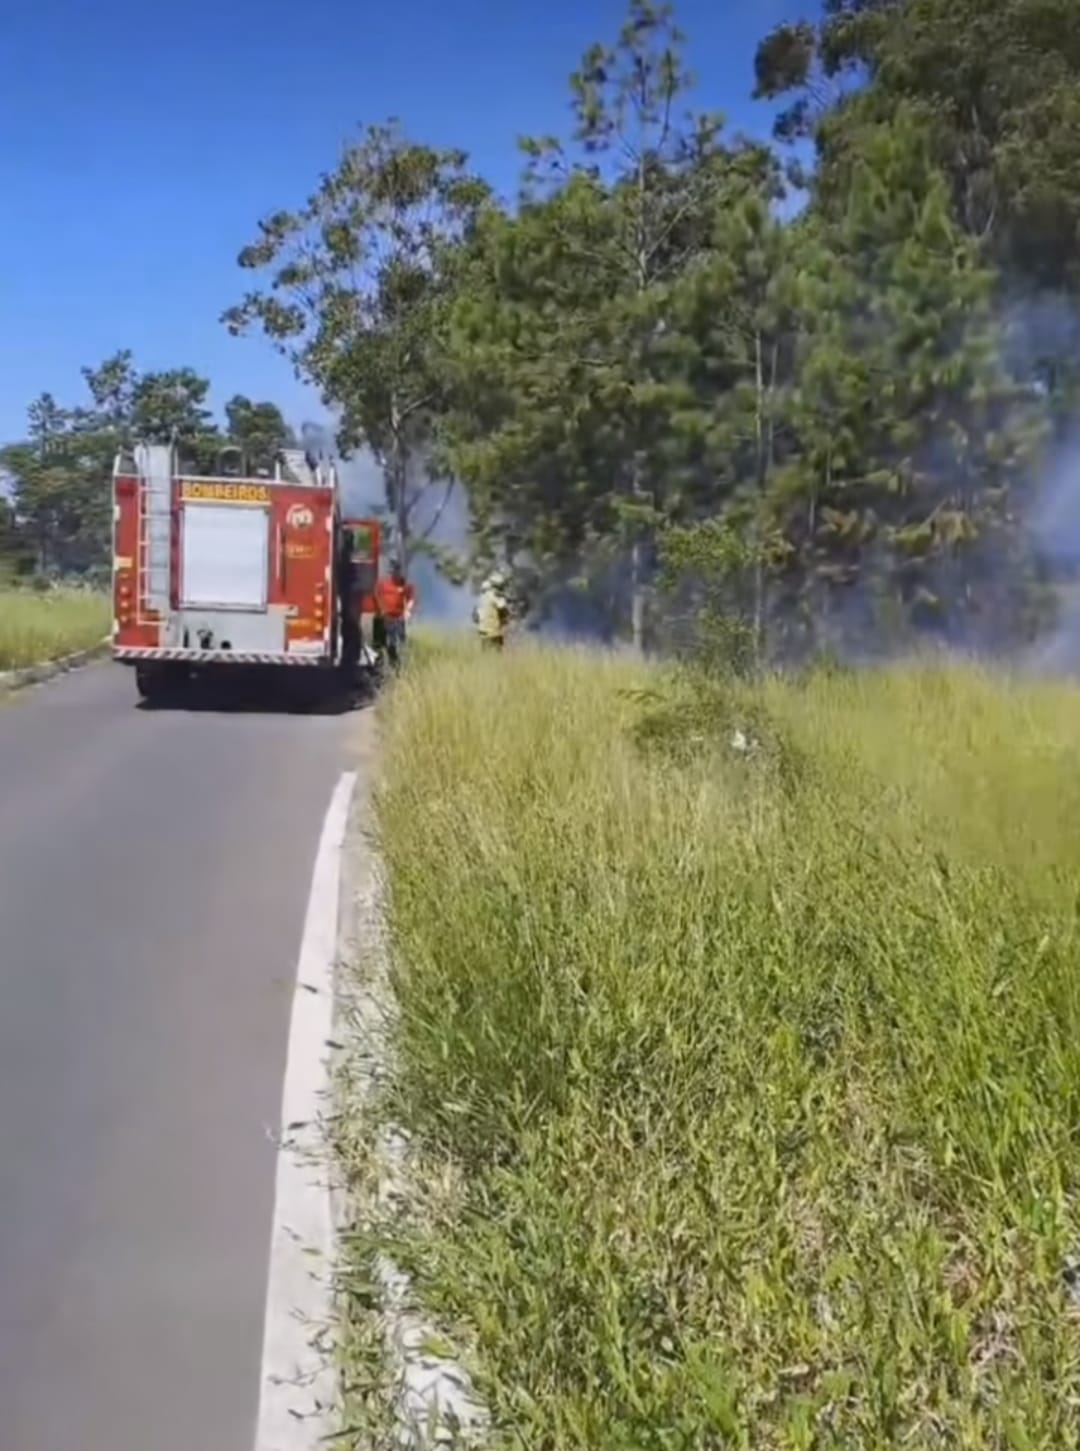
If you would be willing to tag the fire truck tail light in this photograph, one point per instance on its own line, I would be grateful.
(123, 597)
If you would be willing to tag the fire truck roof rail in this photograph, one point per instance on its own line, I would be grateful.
(299, 466)
(291, 465)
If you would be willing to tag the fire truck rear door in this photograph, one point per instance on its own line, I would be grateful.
(225, 556)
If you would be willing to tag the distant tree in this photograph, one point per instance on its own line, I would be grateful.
(112, 388)
(258, 429)
(357, 296)
(170, 406)
(13, 545)
(46, 491)
(60, 475)
(52, 506)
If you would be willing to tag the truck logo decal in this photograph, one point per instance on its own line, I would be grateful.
(205, 491)
(299, 517)
(299, 551)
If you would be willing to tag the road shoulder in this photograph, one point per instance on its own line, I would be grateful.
(401, 1380)
(12, 680)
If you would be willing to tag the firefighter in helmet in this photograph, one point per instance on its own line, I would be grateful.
(491, 615)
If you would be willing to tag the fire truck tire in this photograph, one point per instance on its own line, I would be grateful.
(156, 683)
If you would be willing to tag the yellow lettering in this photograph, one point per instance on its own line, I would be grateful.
(204, 490)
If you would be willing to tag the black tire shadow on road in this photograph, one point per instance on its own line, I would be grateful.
(203, 699)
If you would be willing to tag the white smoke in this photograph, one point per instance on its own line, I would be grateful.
(1056, 529)
(363, 492)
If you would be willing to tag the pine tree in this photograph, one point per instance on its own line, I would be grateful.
(913, 437)
(578, 428)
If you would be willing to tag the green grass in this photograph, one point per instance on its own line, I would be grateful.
(746, 1091)
(38, 627)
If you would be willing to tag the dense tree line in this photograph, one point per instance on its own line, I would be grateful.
(683, 381)
(55, 518)
(658, 391)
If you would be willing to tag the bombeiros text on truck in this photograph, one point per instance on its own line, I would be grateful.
(238, 571)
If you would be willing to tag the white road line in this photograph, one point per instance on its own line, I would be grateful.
(297, 1378)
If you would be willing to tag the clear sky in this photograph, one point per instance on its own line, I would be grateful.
(140, 141)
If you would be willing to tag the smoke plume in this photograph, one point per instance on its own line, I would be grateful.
(440, 516)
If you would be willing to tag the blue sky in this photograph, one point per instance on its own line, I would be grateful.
(140, 142)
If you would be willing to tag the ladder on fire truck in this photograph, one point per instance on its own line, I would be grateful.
(155, 465)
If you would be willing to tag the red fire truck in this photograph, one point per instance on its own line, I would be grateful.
(235, 572)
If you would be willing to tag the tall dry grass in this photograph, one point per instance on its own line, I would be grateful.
(37, 627)
(748, 1085)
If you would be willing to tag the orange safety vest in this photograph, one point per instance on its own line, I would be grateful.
(392, 598)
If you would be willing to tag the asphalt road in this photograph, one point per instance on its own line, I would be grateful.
(154, 871)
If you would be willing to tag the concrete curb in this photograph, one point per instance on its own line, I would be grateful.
(49, 669)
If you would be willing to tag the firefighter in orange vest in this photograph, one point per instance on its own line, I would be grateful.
(395, 600)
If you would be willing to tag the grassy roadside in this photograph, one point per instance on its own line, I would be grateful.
(41, 627)
(746, 1088)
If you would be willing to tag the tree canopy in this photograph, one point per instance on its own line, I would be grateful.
(57, 516)
(356, 296)
(661, 391)
(681, 372)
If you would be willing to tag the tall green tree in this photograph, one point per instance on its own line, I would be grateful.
(996, 83)
(914, 441)
(739, 314)
(873, 447)
(258, 429)
(357, 293)
(577, 429)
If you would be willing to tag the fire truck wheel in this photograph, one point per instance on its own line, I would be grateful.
(154, 683)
